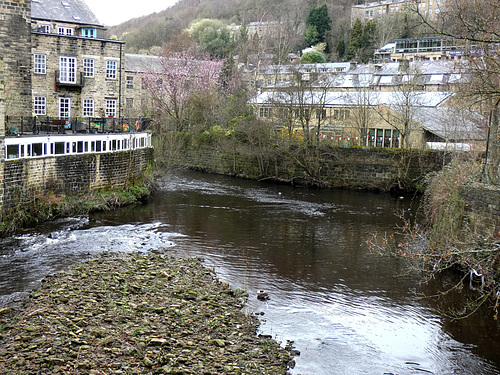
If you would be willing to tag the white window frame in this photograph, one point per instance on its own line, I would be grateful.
(64, 108)
(88, 107)
(88, 67)
(67, 69)
(111, 68)
(61, 30)
(39, 105)
(44, 29)
(111, 107)
(39, 63)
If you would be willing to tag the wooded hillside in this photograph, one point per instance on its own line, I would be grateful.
(144, 33)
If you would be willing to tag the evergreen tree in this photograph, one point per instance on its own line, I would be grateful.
(318, 23)
(356, 41)
(368, 41)
(340, 49)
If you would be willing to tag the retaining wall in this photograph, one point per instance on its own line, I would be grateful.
(72, 175)
(374, 169)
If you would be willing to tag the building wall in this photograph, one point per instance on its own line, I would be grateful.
(136, 101)
(98, 88)
(70, 175)
(379, 9)
(15, 37)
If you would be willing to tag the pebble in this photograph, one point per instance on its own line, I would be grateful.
(141, 314)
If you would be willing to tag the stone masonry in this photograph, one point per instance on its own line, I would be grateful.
(15, 50)
(98, 87)
(72, 175)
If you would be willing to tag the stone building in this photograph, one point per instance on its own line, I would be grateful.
(404, 104)
(15, 62)
(15, 50)
(374, 10)
(76, 73)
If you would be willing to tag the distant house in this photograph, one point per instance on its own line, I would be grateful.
(373, 10)
(376, 106)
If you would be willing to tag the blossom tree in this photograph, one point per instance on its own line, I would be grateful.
(173, 83)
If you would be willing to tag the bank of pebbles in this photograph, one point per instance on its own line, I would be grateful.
(139, 314)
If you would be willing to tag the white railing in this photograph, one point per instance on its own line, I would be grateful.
(60, 145)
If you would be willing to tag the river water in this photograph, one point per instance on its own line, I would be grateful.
(347, 310)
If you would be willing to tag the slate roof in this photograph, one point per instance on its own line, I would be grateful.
(451, 123)
(142, 63)
(352, 98)
(71, 11)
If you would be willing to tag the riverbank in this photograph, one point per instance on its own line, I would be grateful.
(139, 314)
(43, 206)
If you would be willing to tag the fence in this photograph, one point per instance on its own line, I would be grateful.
(34, 125)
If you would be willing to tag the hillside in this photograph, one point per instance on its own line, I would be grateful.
(144, 33)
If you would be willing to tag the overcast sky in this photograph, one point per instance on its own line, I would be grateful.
(113, 12)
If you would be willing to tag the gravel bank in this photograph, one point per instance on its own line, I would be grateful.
(140, 314)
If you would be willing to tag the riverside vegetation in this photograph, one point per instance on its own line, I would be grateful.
(35, 207)
(136, 314)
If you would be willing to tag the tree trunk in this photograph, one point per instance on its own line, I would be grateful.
(493, 149)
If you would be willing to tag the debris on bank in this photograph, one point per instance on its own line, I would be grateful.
(137, 314)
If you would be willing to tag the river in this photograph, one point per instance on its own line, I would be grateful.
(348, 311)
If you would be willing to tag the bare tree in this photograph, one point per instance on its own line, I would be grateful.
(473, 25)
(400, 114)
(362, 114)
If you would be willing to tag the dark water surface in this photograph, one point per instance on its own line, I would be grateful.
(347, 310)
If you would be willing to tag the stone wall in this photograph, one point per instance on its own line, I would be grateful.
(15, 50)
(353, 168)
(72, 175)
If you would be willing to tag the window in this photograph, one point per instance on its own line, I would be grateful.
(130, 103)
(283, 113)
(39, 105)
(67, 69)
(111, 69)
(341, 114)
(40, 64)
(64, 108)
(44, 29)
(88, 32)
(65, 30)
(383, 138)
(88, 67)
(130, 82)
(110, 107)
(320, 114)
(88, 108)
(265, 112)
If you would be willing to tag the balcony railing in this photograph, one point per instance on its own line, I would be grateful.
(33, 125)
(78, 83)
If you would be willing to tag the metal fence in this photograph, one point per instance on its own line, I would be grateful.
(34, 125)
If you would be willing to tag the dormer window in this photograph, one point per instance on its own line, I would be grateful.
(77, 18)
(65, 4)
(65, 30)
(89, 32)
